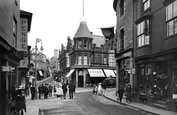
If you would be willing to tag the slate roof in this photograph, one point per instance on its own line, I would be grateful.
(83, 31)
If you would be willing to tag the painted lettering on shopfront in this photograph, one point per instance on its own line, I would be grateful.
(24, 28)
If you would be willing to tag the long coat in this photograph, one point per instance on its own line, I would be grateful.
(20, 102)
(71, 87)
(64, 87)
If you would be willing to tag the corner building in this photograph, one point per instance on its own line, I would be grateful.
(87, 59)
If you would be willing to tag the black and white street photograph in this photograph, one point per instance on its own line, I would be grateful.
(88, 57)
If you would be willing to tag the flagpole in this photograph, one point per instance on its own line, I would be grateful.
(83, 8)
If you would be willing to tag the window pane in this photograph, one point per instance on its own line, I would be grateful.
(175, 25)
(175, 8)
(146, 39)
(169, 11)
(142, 40)
(85, 60)
(138, 29)
(139, 41)
(170, 26)
(80, 60)
(142, 27)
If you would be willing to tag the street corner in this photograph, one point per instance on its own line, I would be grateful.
(32, 110)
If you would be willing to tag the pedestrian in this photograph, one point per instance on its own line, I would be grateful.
(100, 91)
(20, 102)
(95, 89)
(104, 87)
(32, 92)
(74, 87)
(71, 90)
(128, 93)
(46, 91)
(64, 88)
(55, 90)
(50, 90)
(39, 91)
(120, 93)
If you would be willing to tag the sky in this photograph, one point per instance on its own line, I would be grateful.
(54, 20)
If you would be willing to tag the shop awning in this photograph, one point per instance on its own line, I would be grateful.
(96, 73)
(109, 72)
(70, 72)
(40, 73)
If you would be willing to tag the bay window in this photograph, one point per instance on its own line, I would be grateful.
(171, 18)
(143, 33)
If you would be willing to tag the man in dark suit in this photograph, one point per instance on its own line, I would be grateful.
(32, 92)
(71, 90)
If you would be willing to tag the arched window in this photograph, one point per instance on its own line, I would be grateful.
(122, 32)
(121, 7)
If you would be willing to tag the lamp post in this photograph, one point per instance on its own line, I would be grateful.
(35, 82)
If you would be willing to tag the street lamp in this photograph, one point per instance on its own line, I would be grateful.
(35, 82)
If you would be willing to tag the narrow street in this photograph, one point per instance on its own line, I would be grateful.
(84, 104)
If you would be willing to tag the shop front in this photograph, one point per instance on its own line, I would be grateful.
(124, 68)
(156, 81)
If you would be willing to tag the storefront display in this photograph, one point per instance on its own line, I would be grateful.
(161, 80)
(124, 72)
(174, 80)
(145, 79)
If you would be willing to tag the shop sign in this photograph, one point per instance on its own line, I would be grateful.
(128, 54)
(133, 70)
(7, 68)
(24, 62)
(24, 34)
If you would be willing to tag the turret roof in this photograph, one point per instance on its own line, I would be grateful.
(83, 31)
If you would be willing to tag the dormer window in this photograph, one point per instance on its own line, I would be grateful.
(121, 8)
(80, 44)
(85, 44)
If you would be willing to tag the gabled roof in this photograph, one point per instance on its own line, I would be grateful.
(83, 31)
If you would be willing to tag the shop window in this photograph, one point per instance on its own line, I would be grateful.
(145, 79)
(143, 32)
(121, 8)
(174, 79)
(146, 4)
(171, 18)
(124, 72)
(161, 80)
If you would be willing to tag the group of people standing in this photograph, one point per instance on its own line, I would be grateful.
(124, 90)
(68, 86)
(99, 89)
(43, 90)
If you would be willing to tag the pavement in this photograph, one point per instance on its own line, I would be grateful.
(110, 94)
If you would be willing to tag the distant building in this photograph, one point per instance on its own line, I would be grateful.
(86, 59)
